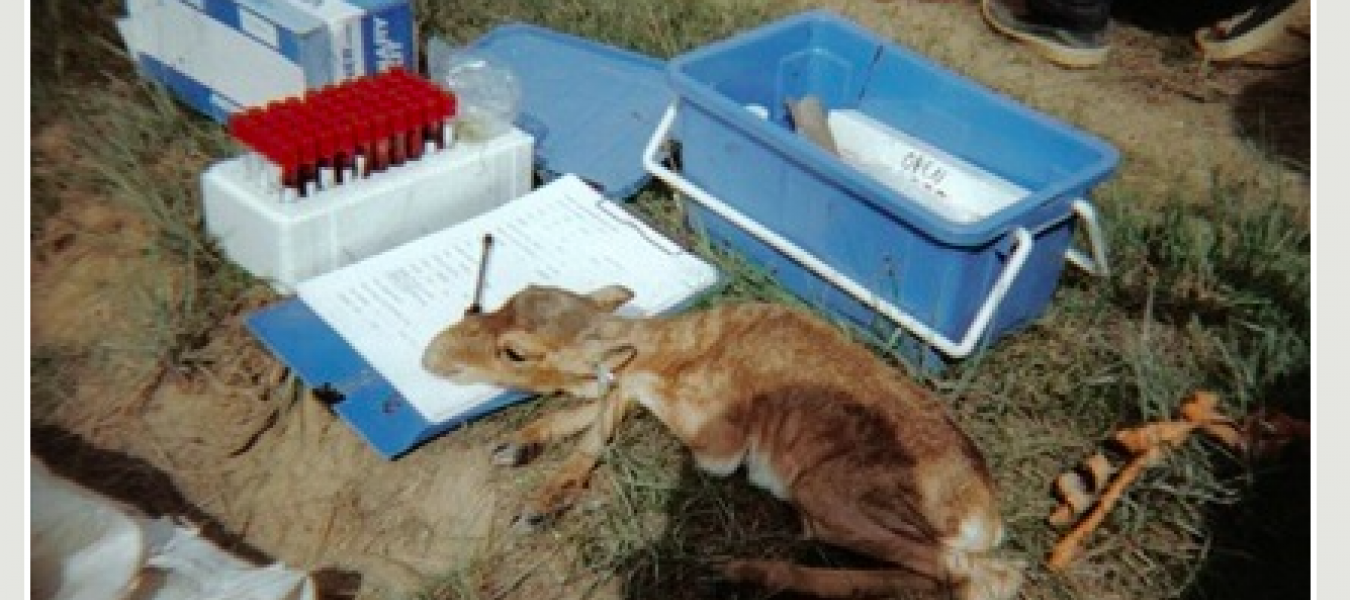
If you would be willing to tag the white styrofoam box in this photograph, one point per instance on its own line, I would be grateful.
(87, 546)
(939, 181)
(288, 242)
(219, 56)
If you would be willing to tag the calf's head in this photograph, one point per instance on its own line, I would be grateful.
(531, 343)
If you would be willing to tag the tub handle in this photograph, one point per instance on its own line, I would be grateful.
(1096, 265)
(960, 349)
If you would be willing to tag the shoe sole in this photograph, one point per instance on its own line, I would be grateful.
(1065, 57)
(1256, 39)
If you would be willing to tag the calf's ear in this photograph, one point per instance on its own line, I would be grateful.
(613, 358)
(611, 297)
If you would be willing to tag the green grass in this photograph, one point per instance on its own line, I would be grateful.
(660, 29)
(1209, 293)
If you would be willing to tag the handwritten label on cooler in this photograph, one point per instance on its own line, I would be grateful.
(944, 184)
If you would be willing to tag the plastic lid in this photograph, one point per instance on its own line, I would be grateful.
(591, 108)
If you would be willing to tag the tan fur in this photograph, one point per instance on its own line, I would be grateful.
(870, 459)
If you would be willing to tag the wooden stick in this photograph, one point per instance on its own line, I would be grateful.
(808, 114)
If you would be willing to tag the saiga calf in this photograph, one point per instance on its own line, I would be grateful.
(869, 459)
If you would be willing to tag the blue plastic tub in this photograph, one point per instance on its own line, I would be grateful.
(934, 276)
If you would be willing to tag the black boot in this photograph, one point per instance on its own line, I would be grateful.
(1070, 34)
(1248, 31)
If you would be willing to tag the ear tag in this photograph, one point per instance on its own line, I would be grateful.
(605, 378)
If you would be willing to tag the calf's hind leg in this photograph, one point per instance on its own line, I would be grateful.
(923, 559)
(918, 568)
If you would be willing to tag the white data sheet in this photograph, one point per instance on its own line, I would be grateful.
(390, 306)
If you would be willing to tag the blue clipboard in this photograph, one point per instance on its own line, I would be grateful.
(359, 395)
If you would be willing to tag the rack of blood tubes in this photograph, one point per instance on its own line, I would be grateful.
(339, 134)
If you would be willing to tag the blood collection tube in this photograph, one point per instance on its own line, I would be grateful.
(361, 137)
(342, 151)
(326, 139)
(288, 163)
(416, 135)
(411, 123)
(398, 136)
(356, 163)
(308, 162)
(269, 174)
(332, 136)
(425, 113)
(379, 146)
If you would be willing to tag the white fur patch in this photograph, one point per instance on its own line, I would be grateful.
(718, 466)
(761, 473)
(642, 388)
(974, 535)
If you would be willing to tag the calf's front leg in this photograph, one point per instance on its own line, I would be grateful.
(526, 443)
(565, 486)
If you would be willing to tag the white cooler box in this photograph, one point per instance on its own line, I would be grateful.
(288, 242)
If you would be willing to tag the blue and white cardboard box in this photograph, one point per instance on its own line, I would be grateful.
(219, 56)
